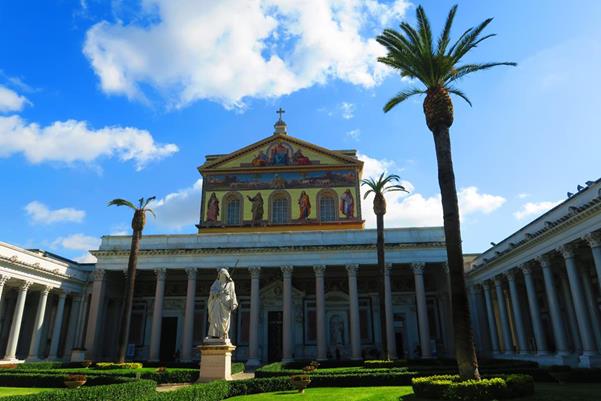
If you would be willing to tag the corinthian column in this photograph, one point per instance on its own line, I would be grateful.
(287, 314)
(34, 346)
(537, 324)
(253, 335)
(507, 343)
(94, 315)
(390, 338)
(15, 328)
(157, 315)
(422, 309)
(517, 312)
(490, 315)
(189, 316)
(561, 344)
(320, 312)
(354, 309)
(594, 241)
(582, 317)
(58, 324)
(3, 279)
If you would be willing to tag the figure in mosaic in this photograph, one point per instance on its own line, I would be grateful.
(304, 205)
(347, 204)
(213, 208)
(222, 302)
(257, 208)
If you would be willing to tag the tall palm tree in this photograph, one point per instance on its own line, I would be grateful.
(137, 224)
(411, 51)
(379, 187)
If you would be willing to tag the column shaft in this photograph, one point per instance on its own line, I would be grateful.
(582, 317)
(287, 314)
(492, 322)
(506, 330)
(92, 332)
(3, 280)
(537, 324)
(15, 328)
(517, 313)
(34, 346)
(591, 307)
(354, 312)
(72, 325)
(157, 315)
(253, 335)
(320, 312)
(561, 344)
(594, 241)
(58, 324)
(391, 352)
(422, 309)
(186, 351)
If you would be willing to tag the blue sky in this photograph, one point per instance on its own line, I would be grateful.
(121, 99)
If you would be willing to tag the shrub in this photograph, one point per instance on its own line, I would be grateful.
(141, 390)
(253, 386)
(476, 390)
(376, 364)
(433, 386)
(519, 386)
(213, 391)
(237, 367)
(39, 365)
(449, 387)
(54, 380)
(112, 365)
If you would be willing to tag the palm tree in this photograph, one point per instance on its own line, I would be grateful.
(137, 224)
(379, 187)
(411, 52)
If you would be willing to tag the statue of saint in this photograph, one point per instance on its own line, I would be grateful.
(257, 208)
(213, 208)
(304, 205)
(222, 302)
(347, 204)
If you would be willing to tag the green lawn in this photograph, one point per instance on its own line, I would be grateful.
(6, 391)
(544, 392)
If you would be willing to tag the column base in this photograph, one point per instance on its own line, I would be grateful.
(566, 359)
(286, 360)
(589, 361)
(33, 359)
(78, 355)
(215, 361)
(7, 360)
(252, 364)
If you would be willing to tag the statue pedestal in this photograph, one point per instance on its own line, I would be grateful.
(215, 360)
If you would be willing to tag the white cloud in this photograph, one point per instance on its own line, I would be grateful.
(523, 195)
(414, 209)
(354, 134)
(530, 209)
(78, 242)
(73, 141)
(86, 258)
(232, 49)
(179, 209)
(347, 110)
(10, 100)
(40, 213)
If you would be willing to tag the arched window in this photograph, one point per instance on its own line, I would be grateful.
(327, 205)
(232, 211)
(280, 208)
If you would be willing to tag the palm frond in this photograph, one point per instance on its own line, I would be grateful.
(401, 97)
(469, 41)
(366, 194)
(459, 93)
(151, 212)
(444, 39)
(121, 202)
(470, 68)
(396, 188)
(425, 32)
(148, 201)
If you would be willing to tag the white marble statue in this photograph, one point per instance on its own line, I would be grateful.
(222, 302)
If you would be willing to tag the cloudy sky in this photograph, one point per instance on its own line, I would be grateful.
(113, 99)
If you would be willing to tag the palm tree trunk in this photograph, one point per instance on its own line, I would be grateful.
(464, 344)
(129, 296)
(381, 266)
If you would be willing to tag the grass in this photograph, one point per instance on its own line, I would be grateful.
(332, 393)
(6, 391)
(544, 392)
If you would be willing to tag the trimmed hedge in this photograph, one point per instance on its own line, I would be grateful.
(449, 387)
(213, 391)
(237, 367)
(140, 390)
(113, 365)
(54, 380)
(168, 376)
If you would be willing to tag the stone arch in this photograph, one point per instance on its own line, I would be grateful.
(331, 197)
(280, 207)
(229, 206)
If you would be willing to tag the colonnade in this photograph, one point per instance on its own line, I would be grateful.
(577, 291)
(26, 288)
(287, 271)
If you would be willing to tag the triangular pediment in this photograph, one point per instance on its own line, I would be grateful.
(280, 151)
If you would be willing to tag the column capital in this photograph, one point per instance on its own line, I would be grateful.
(24, 286)
(418, 268)
(478, 288)
(526, 268)
(99, 274)
(255, 271)
(544, 261)
(510, 275)
(567, 250)
(352, 269)
(287, 271)
(387, 269)
(160, 273)
(593, 239)
(191, 273)
(3, 279)
(319, 270)
(445, 267)
(486, 284)
(499, 280)
(46, 289)
(61, 294)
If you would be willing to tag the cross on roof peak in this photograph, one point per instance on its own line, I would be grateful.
(280, 111)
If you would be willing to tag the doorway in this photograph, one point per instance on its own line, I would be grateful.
(168, 339)
(274, 336)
